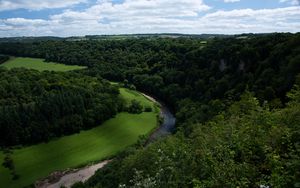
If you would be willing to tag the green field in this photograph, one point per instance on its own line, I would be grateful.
(114, 135)
(38, 64)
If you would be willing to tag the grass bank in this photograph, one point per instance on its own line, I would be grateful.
(113, 136)
(38, 64)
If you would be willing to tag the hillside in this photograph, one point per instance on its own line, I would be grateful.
(236, 101)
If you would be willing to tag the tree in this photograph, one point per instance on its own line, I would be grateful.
(148, 109)
(9, 164)
(135, 107)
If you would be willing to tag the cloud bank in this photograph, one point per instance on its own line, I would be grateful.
(37, 4)
(291, 2)
(152, 16)
(231, 1)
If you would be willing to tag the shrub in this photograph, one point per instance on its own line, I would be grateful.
(148, 109)
(135, 107)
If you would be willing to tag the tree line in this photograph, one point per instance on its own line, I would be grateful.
(37, 106)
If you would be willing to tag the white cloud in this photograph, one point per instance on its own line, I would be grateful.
(37, 4)
(155, 16)
(154, 8)
(257, 21)
(291, 2)
(231, 1)
(25, 22)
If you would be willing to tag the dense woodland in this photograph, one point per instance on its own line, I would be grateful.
(174, 69)
(236, 103)
(3, 58)
(246, 146)
(37, 106)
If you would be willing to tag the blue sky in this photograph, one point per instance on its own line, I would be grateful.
(83, 17)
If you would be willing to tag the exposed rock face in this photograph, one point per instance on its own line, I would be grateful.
(242, 66)
(222, 65)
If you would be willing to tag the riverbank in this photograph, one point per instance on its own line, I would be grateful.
(68, 178)
(36, 162)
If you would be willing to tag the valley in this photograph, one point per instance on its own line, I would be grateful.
(235, 100)
(103, 142)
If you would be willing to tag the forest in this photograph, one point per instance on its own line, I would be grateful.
(236, 101)
(3, 58)
(174, 69)
(247, 145)
(37, 106)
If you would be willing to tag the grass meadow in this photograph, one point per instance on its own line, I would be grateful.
(38, 64)
(38, 161)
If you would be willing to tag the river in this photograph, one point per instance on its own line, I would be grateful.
(168, 125)
(68, 178)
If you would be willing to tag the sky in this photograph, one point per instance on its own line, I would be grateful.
(95, 17)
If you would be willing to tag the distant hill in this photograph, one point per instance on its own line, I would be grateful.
(29, 39)
(111, 37)
(126, 36)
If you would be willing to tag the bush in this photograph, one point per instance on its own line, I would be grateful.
(135, 107)
(3, 58)
(148, 109)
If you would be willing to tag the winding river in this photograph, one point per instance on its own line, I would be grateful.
(68, 178)
(168, 125)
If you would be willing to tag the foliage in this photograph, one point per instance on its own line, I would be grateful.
(3, 58)
(249, 145)
(9, 164)
(234, 119)
(135, 107)
(37, 106)
(176, 69)
(148, 109)
(102, 142)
